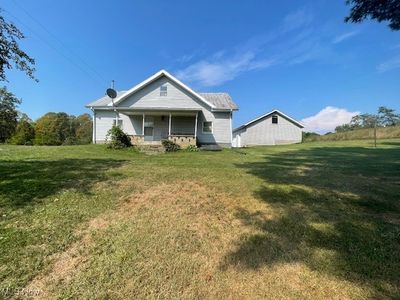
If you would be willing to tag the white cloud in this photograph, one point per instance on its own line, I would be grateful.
(297, 19)
(296, 40)
(344, 36)
(391, 64)
(219, 68)
(327, 119)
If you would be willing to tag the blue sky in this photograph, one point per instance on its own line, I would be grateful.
(296, 56)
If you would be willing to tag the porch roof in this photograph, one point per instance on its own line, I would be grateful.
(160, 111)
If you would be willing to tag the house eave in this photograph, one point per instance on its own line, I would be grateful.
(224, 109)
(119, 108)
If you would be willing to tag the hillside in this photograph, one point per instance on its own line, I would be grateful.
(359, 134)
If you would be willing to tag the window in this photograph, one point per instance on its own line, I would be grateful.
(274, 119)
(163, 90)
(119, 123)
(207, 127)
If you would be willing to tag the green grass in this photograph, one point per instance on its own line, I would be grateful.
(317, 220)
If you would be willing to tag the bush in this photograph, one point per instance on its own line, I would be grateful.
(24, 134)
(117, 139)
(170, 146)
(192, 148)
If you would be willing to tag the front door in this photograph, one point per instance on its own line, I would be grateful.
(148, 133)
(149, 128)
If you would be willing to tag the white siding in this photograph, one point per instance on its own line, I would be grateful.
(104, 121)
(263, 132)
(177, 98)
(149, 96)
(221, 124)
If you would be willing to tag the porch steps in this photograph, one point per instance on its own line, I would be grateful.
(151, 149)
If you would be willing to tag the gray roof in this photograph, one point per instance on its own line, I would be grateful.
(220, 100)
(104, 101)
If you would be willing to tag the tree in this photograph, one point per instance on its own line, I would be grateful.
(24, 134)
(24, 117)
(8, 114)
(53, 129)
(344, 128)
(388, 117)
(380, 10)
(363, 121)
(11, 55)
(83, 129)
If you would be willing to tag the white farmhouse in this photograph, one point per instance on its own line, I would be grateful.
(162, 107)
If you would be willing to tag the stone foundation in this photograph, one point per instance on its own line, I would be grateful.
(137, 139)
(183, 140)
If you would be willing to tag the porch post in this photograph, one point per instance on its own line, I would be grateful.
(143, 124)
(94, 127)
(169, 125)
(195, 126)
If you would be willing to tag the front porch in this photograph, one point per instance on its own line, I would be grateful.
(150, 128)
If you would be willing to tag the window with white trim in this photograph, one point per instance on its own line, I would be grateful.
(119, 124)
(274, 119)
(163, 90)
(207, 127)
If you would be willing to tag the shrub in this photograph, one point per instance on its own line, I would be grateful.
(192, 148)
(24, 134)
(117, 139)
(170, 146)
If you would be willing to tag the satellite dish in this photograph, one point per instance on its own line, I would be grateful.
(111, 93)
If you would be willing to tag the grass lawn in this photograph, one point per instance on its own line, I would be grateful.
(317, 220)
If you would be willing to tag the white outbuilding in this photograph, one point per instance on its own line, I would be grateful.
(273, 128)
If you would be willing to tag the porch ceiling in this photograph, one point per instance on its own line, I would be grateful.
(160, 112)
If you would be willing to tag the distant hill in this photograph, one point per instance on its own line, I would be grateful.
(359, 134)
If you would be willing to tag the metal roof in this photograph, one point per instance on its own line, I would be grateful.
(220, 100)
(104, 101)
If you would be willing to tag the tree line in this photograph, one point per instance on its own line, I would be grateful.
(383, 118)
(50, 129)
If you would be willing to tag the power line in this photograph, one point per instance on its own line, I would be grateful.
(55, 49)
(59, 41)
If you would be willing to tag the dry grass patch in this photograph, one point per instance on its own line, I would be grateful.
(182, 215)
(173, 241)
